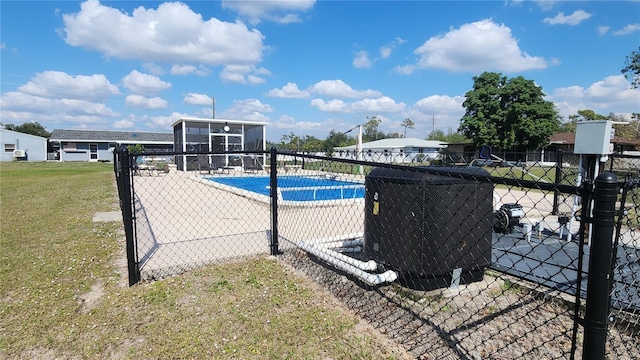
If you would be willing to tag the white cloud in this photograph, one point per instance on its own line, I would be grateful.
(141, 102)
(162, 122)
(2, 46)
(21, 107)
(629, 29)
(144, 84)
(182, 69)
(602, 30)
(153, 68)
(437, 104)
(170, 33)
(189, 69)
(385, 51)
(405, 69)
(123, 124)
(198, 99)
(289, 91)
(248, 109)
(381, 104)
(279, 11)
(479, 46)
(361, 60)
(612, 94)
(62, 85)
(338, 88)
(243, 74)
(546, 5)
(576, 18)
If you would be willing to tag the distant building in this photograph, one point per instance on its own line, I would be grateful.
(394, 150)
(217, 135)
(22, 147)
(98, 145)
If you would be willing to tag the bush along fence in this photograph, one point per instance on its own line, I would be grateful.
(509, 260)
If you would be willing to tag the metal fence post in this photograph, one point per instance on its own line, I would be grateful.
(274, 201)
(127, 216)
(597, 307)
(558, 179)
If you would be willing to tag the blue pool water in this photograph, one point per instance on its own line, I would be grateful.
(297, 188)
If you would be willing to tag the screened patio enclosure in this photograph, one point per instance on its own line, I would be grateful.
(217, 135)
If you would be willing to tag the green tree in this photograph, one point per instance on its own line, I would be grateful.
(290, 142)
(337, 139)
(631, 71)
(507, 114)
(135, 149)
(407, 124)
(370, 130)
(33, 128)
(312, 144)
(582, 115)
(450, 137)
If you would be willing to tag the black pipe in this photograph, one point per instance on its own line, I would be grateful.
(273, 182)
(597, 307)
(127, 217)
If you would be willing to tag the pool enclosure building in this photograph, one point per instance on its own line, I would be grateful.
(199, 135)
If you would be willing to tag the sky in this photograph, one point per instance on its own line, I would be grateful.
(304, 67)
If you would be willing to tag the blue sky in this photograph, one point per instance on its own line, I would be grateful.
(303, 66)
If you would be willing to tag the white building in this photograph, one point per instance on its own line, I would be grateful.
(20, 146)
(394, 150)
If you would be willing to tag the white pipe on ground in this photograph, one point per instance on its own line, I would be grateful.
(362, 265)
(345, 243)
(371, 279)
(337, 238)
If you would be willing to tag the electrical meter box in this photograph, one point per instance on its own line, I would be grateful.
(594, 137)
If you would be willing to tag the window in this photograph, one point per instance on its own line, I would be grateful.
(9, 147)
(69, 146)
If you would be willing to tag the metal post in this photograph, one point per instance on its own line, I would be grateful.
(597, 307)
(558, 179)
(274, 201)
(127, 217)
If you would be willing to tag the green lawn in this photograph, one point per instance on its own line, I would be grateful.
(64, 297)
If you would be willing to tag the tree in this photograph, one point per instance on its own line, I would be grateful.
(337, 139)
(370, 130)
(507, 114)
(33, 128)
(450, 137)
(407, 124)
(631, 71)
(290, 142)
(583, 115)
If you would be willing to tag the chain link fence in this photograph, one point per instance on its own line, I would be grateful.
(470, 262)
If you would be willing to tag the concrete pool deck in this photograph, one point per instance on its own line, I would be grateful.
(183, 223)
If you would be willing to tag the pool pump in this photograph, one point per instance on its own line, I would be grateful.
(507, 217)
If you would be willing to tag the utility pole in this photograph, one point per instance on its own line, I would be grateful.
(433, 126)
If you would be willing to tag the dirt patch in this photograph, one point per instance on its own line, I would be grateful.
(91, 299)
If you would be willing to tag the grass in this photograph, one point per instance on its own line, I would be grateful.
(63, 297)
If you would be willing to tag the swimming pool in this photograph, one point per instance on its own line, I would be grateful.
(297, 188)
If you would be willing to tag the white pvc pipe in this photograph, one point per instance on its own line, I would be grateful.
(371, 279)
(345, 243)
(337, 238)
(362, 265)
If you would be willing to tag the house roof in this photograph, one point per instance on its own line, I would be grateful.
(397, 143)
(135, 137)
(218, 121)
(570, 138)
(17, 133)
